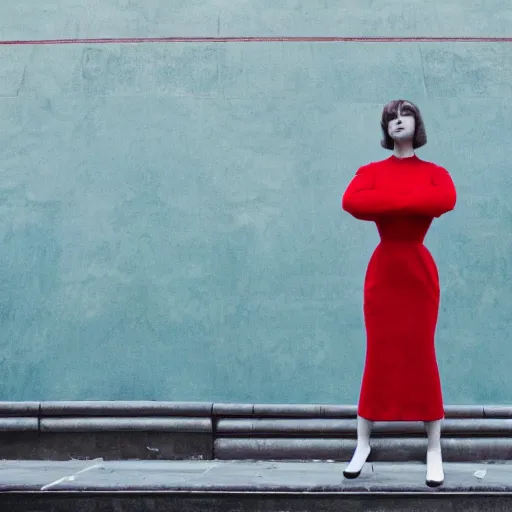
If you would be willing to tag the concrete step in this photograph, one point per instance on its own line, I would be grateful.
(97, 485)
(150, 430)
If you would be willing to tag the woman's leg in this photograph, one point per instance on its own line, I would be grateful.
(435, 473)
(364, 430)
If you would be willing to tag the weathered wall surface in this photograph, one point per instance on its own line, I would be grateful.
(170, 223)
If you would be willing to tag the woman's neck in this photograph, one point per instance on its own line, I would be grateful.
(403, 150)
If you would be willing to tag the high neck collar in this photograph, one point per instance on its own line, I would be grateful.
(408, 159)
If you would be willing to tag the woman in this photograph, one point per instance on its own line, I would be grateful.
(402, 195)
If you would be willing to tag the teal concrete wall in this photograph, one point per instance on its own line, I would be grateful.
(170, 213)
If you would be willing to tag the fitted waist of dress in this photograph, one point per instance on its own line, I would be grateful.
(398, 241)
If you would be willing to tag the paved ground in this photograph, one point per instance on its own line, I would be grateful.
(257, 476)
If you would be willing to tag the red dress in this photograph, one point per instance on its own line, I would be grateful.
(401, 289)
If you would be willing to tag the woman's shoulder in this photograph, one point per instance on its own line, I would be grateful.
(432, 166)
(372, 166)
(378, 163)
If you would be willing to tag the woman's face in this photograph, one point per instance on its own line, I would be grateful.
(402, 126)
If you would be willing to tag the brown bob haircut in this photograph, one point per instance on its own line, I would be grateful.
(390, 112)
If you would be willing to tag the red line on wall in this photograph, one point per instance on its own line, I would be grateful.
(259, 39)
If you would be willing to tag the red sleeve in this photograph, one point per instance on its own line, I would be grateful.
(365, 202)
(435, 199)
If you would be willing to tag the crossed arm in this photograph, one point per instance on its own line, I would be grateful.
(365, 202)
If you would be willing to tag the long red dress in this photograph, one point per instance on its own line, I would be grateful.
(401, 290)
